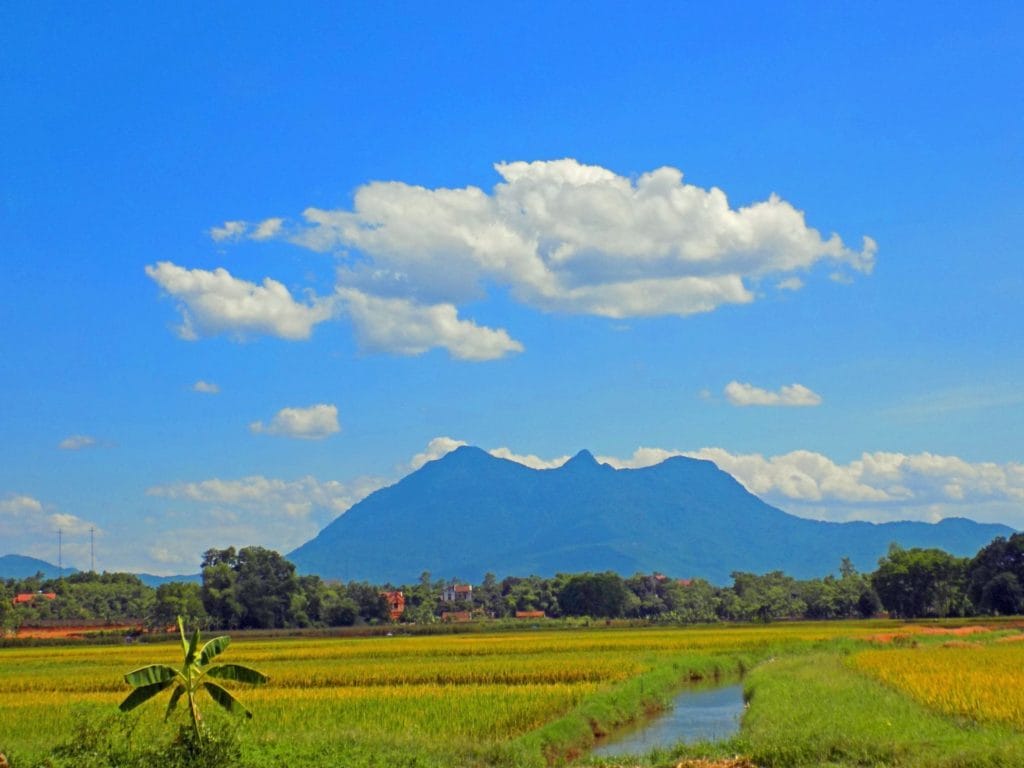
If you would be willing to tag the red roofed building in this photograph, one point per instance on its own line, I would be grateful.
(530, 614)
(396, 603)
(456, 592)
(28, 597)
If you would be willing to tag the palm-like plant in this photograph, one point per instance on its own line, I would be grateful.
(193, 675)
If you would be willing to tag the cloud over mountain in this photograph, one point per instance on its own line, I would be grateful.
(878, 486)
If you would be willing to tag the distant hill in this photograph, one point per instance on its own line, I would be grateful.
(23, 567)
(155, 581)
(469, 513)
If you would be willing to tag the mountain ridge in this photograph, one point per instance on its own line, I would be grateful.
(470, 512)
(14, 566)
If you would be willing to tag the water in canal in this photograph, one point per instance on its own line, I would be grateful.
(698, 713)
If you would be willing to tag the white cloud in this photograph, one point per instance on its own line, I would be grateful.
(267, 229)
(794, 395)
(571, 237)
(229, 230)
(18, 506)
(436, 449)
(401, 326)
(215, 302)
(29, 527)
(312, 423)
(206, 387)
(790, 284)
(442, 446)
(529, 459)
(271, 512)
(558, 235)
(271, 497)
(878, 486)
(76, 442)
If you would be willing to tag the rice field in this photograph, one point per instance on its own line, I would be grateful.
(979, 682)
(460, 693)
(472, 699)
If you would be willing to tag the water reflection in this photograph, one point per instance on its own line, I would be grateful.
(696, 714)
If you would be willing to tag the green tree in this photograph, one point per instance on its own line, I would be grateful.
(995, 576)
(914, 583)
(190, 678)
(489, 596)
(179, 598)
(694, 601)
(265, 586)
(373, 606)
(219, 592)
(768, 597)
(253, 588)
(601, 595)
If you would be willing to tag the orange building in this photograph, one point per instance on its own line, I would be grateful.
(28, 597)
(396, 603)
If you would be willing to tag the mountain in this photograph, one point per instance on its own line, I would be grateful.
(23, 567)
(155, 581)
(469, 513)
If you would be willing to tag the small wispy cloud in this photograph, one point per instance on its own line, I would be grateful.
(76, 442)
(229, 230)
(793, 395)
(790, 284)
(313, 423)
(206, 387)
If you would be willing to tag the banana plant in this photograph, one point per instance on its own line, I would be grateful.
(193, 675)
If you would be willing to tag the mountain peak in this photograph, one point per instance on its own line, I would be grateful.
(584, 455)
(582, 459)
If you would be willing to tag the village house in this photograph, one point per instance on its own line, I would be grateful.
(530, 615)
(396, 603)
(457, 592)
(28, 597)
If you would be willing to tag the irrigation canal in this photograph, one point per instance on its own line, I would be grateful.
(700, 712)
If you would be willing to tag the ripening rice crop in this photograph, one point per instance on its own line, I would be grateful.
(424, 693)
(416, 691)
(984, 684)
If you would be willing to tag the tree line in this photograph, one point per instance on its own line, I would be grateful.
(257, 588)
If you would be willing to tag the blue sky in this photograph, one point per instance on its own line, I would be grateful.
(259, 261)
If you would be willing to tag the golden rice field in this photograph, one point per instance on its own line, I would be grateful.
(335, 700)
(981, 682)
(413, 692)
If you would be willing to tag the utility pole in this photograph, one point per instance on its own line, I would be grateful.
(60, 553)
(92, 550)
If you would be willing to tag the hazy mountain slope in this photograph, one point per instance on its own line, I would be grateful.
(23, 567)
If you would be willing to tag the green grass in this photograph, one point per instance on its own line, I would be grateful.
(813, 710)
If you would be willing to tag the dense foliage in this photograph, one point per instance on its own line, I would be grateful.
(257, 588)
